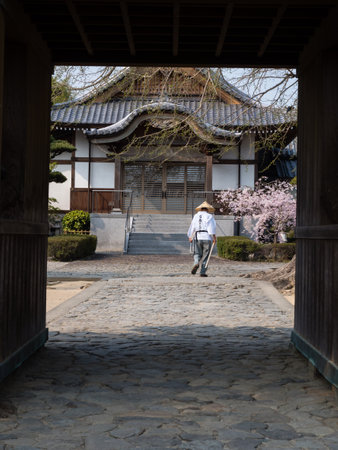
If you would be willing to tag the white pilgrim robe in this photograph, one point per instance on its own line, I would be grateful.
(202, 221)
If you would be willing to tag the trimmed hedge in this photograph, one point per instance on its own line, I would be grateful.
(280, 252)
(69, 247)
(241, 248)
(237, 248)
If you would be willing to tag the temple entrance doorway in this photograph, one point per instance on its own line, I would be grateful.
(169, 188)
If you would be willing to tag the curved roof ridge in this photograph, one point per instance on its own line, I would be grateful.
(164, 107)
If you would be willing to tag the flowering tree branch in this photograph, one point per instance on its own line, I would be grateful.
(272, 206)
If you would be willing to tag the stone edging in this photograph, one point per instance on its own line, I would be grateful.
(64, 307)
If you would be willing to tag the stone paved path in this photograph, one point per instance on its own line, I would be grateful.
(156, 358)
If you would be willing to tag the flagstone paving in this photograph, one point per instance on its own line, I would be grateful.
(156, 358)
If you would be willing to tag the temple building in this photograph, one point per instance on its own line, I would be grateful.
(172, 137)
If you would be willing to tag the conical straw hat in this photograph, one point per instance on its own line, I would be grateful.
(210, 208)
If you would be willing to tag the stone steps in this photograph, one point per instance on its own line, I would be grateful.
(160, 234)
(161, 223)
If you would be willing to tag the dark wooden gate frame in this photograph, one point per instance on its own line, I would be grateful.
(26, 59)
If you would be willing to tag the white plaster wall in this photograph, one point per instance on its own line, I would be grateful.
(64, 155)
(82, 147)
(102, 175)
(61, 191)
(231, 153)
(248, 175)
(224, 176)
(81, 175)
(99, 151)
(81, 144)
(248, 147)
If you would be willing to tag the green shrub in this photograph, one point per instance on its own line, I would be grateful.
(278, 252)
(76, 221)
(237, 248)
(69, 247)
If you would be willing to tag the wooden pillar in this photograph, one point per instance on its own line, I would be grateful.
(89, 195)
(2, 57)
(208, 179)
(25, 99)
(316, 308)
(14, 137)
(239, 181)
(72, 177)
(118, 196)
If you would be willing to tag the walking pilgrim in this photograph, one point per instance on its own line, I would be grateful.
(202, 232)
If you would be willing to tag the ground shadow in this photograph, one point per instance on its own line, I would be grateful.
(234, 383)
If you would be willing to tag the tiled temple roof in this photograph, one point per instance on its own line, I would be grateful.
(213, 112)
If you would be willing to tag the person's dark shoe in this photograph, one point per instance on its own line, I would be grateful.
(203, 275)
(194, 269)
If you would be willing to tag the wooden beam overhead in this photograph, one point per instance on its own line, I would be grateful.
(176, 25)
(224, 29)
(327, 33)
(127, 27)
(79, 26)
(2, 65)
(23, 27)
(274, 25)
(206, 3)
(178, 32)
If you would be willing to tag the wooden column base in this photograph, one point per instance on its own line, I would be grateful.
(325, 367)
(17, 358)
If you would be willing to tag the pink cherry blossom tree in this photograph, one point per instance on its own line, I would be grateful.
(272, 207)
